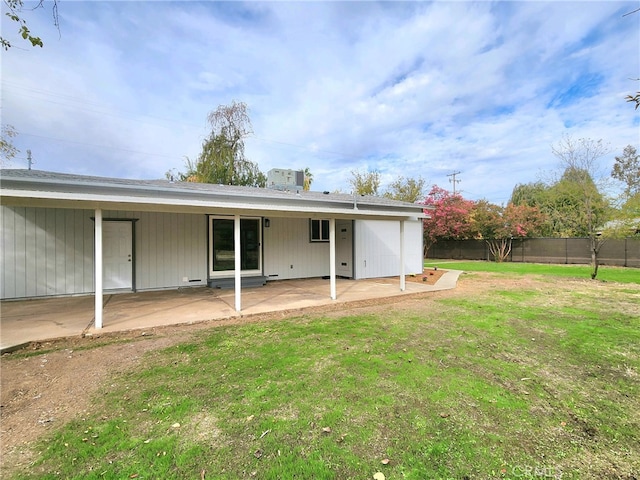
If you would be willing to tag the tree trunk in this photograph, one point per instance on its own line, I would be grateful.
(425, 249)
(596, 244)
(594, 264)
(500, 248)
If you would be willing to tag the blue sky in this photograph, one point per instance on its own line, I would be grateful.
(418, 89)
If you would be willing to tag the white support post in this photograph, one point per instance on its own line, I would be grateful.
(98, 269)
(332, 257)
(238, 264)
(403, 284)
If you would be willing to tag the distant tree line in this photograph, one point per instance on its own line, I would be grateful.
(574, 205)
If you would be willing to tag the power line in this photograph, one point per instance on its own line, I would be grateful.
(68, 101)
(92, 107)
(97, 146)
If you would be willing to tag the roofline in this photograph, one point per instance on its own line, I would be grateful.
(19, 198)
(119, 194)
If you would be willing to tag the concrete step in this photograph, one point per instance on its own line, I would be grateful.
(230, 282)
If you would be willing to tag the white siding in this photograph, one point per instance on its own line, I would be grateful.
(377, 248)
(169, 247)
(413, 251)
(44, 252)
(289, 253)
(49, 251)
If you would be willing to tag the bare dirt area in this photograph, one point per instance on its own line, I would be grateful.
(429, 276)
(47, 384)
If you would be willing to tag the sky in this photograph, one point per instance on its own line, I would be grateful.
(411, 89)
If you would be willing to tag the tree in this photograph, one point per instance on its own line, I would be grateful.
(487, 225)
(15, 13)
(561, 203)
(634, 98)
(531, 194)
(582, 173)
(406, 189)
(573, 203)
(626, 219)
(308, 179)
(538, 194)
(365, 183)
(499, 226)
(449, 217)
(7, 150)
(626, 169)
(222, 160)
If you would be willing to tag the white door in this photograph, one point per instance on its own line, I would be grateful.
(344, 248)
(117, 255)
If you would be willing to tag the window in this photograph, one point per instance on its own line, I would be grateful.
(319, 230)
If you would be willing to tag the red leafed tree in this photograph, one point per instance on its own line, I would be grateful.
(498, 225)
(450, 217)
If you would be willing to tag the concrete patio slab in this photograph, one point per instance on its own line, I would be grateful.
(24, 321)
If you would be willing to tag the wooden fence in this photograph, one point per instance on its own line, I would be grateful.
(621, 252)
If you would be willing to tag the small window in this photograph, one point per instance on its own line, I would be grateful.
(319, 230)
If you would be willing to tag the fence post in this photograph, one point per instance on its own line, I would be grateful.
(566, 251)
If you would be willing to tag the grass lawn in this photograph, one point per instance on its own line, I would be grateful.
(605, 273)
(537, 379)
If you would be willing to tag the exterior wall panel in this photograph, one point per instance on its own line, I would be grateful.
(44, 252)
(377, 248)
(41, 251)
(7, 265)
(31, 268)
(59, 253)
(20, 257)
(413, 236)
(287, 244)
(169, 247)
(50, 251)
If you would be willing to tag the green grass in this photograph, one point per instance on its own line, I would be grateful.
(605, 273)
(506, 383)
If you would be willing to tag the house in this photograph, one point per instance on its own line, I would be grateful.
(68, 234)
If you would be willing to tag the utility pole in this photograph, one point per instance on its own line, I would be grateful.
(29, 160)
(453, 180)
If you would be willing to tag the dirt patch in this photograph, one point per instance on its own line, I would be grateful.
(47, 384)
(429, 276)
(42, 392)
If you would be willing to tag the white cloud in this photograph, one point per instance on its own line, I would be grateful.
(412, 89)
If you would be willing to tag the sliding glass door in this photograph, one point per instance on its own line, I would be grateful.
(221, 246)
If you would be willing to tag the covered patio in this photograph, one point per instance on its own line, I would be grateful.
(24, 321)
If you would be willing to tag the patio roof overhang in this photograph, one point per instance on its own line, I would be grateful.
(42, 189)
(27, 188)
